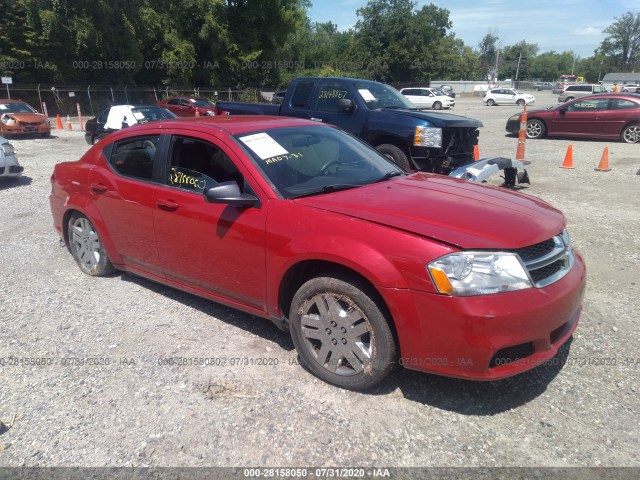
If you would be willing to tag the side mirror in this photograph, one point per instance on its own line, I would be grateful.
(229, 193)
(345, 105)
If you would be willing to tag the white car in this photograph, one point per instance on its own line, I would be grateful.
(428, 98)
(507, 96)
(9, 166)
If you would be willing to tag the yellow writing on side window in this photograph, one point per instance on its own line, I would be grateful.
(331, 94)
(181, 179)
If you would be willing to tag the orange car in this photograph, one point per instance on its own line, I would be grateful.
(19, 118)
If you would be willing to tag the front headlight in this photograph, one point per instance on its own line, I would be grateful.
(514, 118)
(428, 137)
(6, 119)
(478, 273)
(46, 120)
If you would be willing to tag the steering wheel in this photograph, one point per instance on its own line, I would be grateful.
(149, 145)
(325, 168)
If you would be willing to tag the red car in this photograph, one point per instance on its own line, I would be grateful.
(303, 224)
(188, 106)
(607, 115)
(20, 118)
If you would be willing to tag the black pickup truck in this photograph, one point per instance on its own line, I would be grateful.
(415, 140)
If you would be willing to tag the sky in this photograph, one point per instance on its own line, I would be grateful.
(558, 25)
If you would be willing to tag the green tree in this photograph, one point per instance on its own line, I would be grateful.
(623, 42)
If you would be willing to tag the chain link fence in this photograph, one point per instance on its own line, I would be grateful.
(92, 99)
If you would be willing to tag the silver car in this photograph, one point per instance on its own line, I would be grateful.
(9, 166)
(580, 90)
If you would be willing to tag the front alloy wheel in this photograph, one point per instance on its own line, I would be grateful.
(340, 332)
(535, 129)
(86, 248)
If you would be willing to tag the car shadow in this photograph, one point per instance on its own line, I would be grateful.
(251, 323)
(15, 182)
(469, 397)
(465, 397)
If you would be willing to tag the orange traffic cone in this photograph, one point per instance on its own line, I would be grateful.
(58, 122)
(568, 158)
(69, 127)
(522, 135)
(476, 152)
(604, 161)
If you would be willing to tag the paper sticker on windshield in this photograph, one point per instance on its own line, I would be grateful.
(138, 115)
(3, 107)
(263, 145)
(367, 95)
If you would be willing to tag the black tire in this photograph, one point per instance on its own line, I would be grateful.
(437, 105)
(86, 247)
(46, 135)
(536, 128)
(569, 99)
(341, 333)
(520, 103)
(631, 133)
(395, 154)
(96, 139)
(491, 102)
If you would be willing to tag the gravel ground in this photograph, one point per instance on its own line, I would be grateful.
(254, 406)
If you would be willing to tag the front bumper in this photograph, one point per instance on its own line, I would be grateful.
(18, 128)
(487, 337)
(10, 169)
(513, 126)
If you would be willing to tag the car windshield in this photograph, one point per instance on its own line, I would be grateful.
(378, 95)
(202, 102)
(303, 161)
(15, 107)
(151, 113)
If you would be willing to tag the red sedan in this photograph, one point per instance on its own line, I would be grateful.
(302, 224)
(608, 116)
(188, 106)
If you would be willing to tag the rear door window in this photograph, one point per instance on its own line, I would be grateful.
(135, 157)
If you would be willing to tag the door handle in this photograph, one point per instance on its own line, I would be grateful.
(169, 205)
(99, 187)
(315, 119)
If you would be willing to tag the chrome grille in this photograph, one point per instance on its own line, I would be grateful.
(548, 261)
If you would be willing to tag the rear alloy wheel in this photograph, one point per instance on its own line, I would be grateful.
(631, 133)
(340, 332)
(395, 154)
(86, 248)
(520, 103)
(491, 102)
(536, 129)
(437, 105)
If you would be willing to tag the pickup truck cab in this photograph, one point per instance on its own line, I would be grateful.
(380, 115)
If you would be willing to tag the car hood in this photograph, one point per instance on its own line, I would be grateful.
(441, 120)
(27, 117)
(453, 211)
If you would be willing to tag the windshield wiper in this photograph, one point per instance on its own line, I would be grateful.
(389, 175)
(329, 188)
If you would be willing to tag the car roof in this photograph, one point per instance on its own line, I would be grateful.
(8, 100)
(230, 124)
